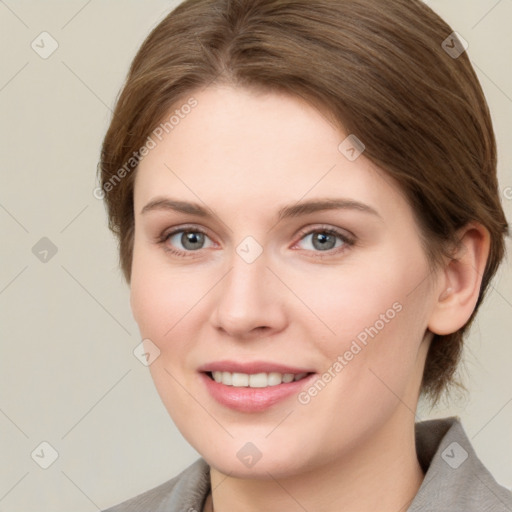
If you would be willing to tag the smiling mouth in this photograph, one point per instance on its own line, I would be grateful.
(255, 380)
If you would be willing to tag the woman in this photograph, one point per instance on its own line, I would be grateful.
(307, 207)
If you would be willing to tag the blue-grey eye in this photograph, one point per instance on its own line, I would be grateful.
(189, 240)
(323, 240)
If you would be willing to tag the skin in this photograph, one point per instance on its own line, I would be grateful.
(243, 155)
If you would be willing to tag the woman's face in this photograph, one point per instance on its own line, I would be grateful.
(263, 248)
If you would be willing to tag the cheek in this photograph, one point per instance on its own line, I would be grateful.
(162, 302)
(374, 316)
(171, 307)
(150, 302)
(380, 292)
(159, 296)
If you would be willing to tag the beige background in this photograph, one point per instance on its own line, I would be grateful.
(68, 374)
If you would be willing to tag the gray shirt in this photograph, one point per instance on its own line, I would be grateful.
(455, 479)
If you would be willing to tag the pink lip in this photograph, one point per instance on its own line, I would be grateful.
(248, 399)
(251, 367)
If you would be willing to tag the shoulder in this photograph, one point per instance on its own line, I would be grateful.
(455, 478)
(185, 492)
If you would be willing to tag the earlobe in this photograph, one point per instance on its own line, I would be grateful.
(461, 279)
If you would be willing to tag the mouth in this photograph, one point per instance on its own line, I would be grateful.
(255, 380)
(253, 387)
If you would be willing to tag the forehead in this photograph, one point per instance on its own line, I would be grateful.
(238, 144)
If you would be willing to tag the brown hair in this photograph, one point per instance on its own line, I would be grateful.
(379, 68)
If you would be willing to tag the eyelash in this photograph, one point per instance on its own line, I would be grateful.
(347, 241)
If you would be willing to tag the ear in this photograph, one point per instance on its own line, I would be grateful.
(459, 284)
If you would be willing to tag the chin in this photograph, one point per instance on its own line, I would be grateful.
(259, 460)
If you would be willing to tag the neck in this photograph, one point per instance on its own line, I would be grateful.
(383, 475)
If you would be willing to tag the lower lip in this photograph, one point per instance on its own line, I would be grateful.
(252, 399)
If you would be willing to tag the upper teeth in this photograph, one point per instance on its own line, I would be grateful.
(255, 380)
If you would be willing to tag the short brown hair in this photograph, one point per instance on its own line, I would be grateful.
(379, 68)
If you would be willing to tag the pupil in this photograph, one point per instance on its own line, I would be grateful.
(192, 240)
(323, 241)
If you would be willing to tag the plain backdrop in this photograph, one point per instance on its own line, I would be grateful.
(69, 377)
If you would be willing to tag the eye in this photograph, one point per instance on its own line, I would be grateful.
(187, 240)
(325, 240)
(183, 240)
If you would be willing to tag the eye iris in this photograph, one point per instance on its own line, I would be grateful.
(192, 240)
(324, 241)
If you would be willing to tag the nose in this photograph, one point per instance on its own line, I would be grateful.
(250, 300)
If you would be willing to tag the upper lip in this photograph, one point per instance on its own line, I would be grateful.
(251, 367)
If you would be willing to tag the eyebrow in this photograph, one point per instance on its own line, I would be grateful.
(295, 210)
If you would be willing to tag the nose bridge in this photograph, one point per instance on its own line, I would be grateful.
(247, 298)
(245, 283)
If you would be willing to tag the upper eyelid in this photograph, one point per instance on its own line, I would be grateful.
(166, 234)
(178, 229)
(347, 239)
(325, 227)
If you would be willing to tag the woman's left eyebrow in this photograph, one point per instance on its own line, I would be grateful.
(317, 205)
(294, 210)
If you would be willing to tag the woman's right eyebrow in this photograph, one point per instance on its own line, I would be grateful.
(165, 203)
